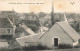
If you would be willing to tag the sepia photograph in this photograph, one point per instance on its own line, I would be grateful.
(40, 25)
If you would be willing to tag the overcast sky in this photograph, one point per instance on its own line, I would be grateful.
(43, 6)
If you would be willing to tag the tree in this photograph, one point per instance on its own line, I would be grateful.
(42, 14)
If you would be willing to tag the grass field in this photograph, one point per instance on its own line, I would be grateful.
(73, 49)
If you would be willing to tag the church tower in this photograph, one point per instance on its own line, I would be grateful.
(52, 15)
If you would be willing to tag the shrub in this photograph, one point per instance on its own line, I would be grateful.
(41, 47)
(77, 46)
(4, 49)
(38, 47)
(64, 46)
(29, 48)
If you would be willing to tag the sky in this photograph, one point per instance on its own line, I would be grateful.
(71, 6)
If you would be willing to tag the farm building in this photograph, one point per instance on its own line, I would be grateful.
(60, 33)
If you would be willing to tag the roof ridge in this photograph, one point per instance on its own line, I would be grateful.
(5, 23)
(10, 21)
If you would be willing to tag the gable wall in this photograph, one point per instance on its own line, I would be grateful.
(56, 32)
(3, 31)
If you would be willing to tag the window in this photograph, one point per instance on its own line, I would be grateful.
(79, 41)
(8, 30)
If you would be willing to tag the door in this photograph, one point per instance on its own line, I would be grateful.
(55, 41)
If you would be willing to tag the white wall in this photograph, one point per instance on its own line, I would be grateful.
(3, 31)
(75, 43)
(56, 31)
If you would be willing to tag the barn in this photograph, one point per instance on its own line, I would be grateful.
(59, 33)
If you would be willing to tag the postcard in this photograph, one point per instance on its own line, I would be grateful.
(39, 25)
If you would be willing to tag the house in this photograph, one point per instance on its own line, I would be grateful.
(30, 20)
(27, 31)
(12, 15)
(23, 30)
(7, 30)
(4, 45)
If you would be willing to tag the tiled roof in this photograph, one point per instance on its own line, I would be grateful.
(69, 30)
(5, 23)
